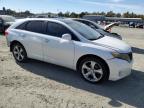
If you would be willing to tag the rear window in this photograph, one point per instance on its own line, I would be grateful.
(35, 26)
(22, 26)
(32, 26)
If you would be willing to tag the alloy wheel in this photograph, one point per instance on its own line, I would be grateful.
(18, 52)
(92, 71)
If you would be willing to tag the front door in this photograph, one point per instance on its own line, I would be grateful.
(57, 50)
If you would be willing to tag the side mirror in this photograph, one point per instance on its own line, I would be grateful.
(67, 37)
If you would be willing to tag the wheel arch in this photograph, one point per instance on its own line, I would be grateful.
(14, 42)
(91, 55)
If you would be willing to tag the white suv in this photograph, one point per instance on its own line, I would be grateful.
(70, 44)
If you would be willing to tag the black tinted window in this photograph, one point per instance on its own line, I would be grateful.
(22, 26)
(35, 26)
(57, 30)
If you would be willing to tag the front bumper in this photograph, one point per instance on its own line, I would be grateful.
(119, 68)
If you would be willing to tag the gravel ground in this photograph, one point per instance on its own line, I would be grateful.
(41, 85)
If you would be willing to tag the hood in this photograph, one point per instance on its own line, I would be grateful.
(114, 44)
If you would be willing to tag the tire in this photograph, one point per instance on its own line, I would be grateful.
(93, 70)
(19, 53)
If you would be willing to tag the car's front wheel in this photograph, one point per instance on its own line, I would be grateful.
(19, 52)
(93, 70)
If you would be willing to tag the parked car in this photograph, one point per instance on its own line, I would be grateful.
(70, 44)
(5, 22)
(100, 29)
(140, 25)
(132, 25)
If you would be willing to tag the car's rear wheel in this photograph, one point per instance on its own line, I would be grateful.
(19, 52)
(93, 70)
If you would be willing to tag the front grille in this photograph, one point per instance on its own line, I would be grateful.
(130, 56)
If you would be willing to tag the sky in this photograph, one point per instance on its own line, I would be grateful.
(55, 6)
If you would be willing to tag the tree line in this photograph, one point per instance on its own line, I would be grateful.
(107, 14)
(27, 13)
(16, 14)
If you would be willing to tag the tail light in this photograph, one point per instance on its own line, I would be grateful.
(6, 33)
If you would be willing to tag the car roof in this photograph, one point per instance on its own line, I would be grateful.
(57, 20)
(46, 19)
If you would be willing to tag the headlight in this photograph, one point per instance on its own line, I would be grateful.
(122, 56)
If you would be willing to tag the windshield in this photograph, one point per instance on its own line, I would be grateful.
(8, 19)
(103, 32)
(97, 25)
(83, 30)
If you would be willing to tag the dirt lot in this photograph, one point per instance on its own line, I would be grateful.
(42, 85)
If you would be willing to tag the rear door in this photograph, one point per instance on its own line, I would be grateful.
(31, 35)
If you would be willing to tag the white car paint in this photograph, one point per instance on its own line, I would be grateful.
(67, 53)
(114, 43)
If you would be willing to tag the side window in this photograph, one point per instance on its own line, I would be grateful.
(35, 26)
(22, 26)
(57, 30)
